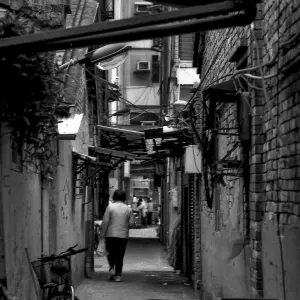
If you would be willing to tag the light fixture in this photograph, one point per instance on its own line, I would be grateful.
(106, 54)
(179, 105)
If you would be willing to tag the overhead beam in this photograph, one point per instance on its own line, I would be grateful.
(180, 3)
(144, 27)
(121, 130)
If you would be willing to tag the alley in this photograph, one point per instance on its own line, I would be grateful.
(146, 274)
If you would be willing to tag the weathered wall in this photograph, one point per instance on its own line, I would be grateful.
(46, 219)
(281, 114)
(274, 216)
(70, 214)
(68, 211)
(173, 210)
(22, 217)
(224, 223)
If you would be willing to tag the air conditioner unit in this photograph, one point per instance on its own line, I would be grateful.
(156, 8)
(143, 66)
(141, 7)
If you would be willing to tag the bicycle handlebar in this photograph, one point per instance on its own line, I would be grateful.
(70, 251)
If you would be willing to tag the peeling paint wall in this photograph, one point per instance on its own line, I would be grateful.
(21, 208)
(70, 214)
(224, 274)
(50, 226)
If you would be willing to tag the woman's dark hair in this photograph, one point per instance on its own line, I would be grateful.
(119, 195)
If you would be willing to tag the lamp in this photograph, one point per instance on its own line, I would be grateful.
(179, 105)
(106, 54)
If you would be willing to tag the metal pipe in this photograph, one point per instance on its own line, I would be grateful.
(150, 32)
(133, 28)
(180, 3)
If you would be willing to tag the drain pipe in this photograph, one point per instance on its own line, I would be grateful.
(42, 216)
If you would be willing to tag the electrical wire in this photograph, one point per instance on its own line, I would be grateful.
(136, 116)
(250, 84)
(195, 160)
(122, 98)
(262, 77)
(273, 60)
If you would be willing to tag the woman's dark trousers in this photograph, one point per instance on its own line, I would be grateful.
(116, 248)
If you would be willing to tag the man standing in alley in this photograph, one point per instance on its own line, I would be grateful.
(150, 211)
(118, 219)
(143, 208)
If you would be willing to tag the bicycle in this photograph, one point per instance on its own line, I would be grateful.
(54, 275)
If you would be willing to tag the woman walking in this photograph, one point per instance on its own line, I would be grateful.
(118, 219)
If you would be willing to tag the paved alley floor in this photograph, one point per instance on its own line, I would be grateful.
(149, 232)
(146, 276)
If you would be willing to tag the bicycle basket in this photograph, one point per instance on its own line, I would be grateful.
(56, 271)
(42, 271)
(60, 266)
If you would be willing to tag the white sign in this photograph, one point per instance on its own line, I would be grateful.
(140, 183)
(127, 168)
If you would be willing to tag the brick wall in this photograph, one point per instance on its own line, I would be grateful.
(281, 115)
(273, 206)
(222, 277)
(83, 13)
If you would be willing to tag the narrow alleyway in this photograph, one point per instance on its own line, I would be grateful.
(146, 274)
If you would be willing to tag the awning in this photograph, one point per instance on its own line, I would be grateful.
(221, 92)
(91, 159)
(226, 86)
(130, 141)
(88, 165)
(166, 140)
(121, 112)
(84, 157)
(116, 129)
(113, 153)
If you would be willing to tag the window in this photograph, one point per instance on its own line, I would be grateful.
(141, 7)
(16, 158)
(143, 66)
(186, 46)
(155, 68)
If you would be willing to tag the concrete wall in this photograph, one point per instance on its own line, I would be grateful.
(45, 218)
(22, 217)
(173, 210)
(69, 213)
(40, 218)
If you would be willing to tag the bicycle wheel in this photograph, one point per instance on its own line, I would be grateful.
(61, 296)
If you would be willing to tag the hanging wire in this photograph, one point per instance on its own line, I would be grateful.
(250, 84)
(262, 77)
(125, 100)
